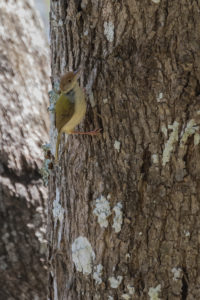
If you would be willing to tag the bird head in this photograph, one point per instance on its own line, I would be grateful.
(68, 81)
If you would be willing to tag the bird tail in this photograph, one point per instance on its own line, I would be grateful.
(57, 146)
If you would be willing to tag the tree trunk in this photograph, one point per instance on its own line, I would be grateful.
(24, 71)
(124, 220)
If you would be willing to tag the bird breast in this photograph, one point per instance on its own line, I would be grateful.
(79, 110)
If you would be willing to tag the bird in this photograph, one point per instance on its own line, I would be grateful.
(70, 107)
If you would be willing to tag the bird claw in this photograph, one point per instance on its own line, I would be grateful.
(95, 131)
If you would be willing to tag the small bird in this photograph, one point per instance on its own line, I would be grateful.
(70, 107)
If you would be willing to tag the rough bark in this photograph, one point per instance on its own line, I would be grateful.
(141, 70)
(24, 80)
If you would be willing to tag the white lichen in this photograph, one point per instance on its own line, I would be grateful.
(63, 65)
(102, 211)
(3, 264)
(58, 214)
(154, 158)
(53, 97)
(164, 130)
(131, 289)
(159, 98)
(126, 296)
(187, 233)
(170, 143)
(177, 273)
(46, 147)
(60, 234)
(43, 242)
(55, 288)
(30, 225)
(153, 292)
(156, 1)
(10, 248)
(127, 256)
(117, 222)
(45, 172)
(105, 100)
(85, 32)
(115, 282)
(110, 298)
(117, 145)
(196, 138)
(91, 79)
(109, 31)
(98, 273)
(58, 210)
(83, 255)
(190, 129)
(60, 23)
(91, 98)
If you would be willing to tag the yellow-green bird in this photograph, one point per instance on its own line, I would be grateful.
(70, 107)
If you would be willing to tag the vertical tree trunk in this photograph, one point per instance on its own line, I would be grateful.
(124, 206)
(24, 71)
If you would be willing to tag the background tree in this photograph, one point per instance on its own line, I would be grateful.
(124, 220)
(24, 71)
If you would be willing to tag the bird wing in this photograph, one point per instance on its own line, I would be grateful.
(64, 110)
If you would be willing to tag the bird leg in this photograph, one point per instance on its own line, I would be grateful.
(94, 132)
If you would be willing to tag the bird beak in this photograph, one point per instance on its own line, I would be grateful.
(77, 73)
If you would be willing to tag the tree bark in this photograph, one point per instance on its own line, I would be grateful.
(24, 71)
(124, 220)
